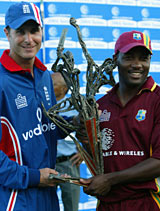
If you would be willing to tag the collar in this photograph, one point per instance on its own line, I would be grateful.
(149, 84)
(12, 66)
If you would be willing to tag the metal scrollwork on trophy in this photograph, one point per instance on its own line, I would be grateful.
(96, 76)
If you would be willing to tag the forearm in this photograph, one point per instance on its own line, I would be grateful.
(101, 185)
(144, 171)
(13, 175)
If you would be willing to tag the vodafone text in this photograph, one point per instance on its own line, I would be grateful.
(40, 128)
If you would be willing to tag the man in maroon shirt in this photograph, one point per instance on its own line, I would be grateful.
(130, 127)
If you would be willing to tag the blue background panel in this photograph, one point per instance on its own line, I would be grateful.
(53, 32)
(71, 9)
(59, 9)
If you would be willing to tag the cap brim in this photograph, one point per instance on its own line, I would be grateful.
(128, 47)
(19, 22)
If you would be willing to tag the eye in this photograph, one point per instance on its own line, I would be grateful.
(128, 57)
(145, 58)
(20, 31)
(34, 30)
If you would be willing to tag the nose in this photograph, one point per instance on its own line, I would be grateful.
(136, 63)
(28, 37)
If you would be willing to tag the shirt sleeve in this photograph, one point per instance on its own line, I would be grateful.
(12, 175)
(155, 138)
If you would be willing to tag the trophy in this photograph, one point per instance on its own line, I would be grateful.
(96, 76)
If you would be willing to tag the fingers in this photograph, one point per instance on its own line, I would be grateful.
(82, 137)
(44, 177)
(86, 181)
(53, 171)
(76, 159)
(99, 111)
(88, 189)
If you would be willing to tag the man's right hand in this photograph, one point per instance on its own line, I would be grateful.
(44, 177)
(99, 185)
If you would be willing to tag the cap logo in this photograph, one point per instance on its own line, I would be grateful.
(26, 8)
(137, 36)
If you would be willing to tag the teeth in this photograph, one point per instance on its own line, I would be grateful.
(27, 47)
(136, 74)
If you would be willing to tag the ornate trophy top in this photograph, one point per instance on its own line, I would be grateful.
(96, 76)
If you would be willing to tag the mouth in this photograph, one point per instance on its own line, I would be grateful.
(136, 74)
(28, 47)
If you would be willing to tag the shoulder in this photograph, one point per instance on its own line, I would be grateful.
(109, 92)
(153, 98)
(4, 75)
(157, 91)
(2, 68)
(46, 75)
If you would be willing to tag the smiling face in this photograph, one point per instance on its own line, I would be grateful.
(25, 41)
(133, 67)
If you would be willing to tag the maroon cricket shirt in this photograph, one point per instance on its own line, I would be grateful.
(130, 134)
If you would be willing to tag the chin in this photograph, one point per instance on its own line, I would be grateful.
(135, 84)
(28, 57)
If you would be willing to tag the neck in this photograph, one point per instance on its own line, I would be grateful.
(24, 63)
(125, 94)
(28, 65)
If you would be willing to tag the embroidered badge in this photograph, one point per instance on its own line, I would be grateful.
(21, 101)
(105, 116)
(26, 8)
(137, 36)
(141, 115)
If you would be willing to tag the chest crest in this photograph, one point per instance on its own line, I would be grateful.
(141, 115)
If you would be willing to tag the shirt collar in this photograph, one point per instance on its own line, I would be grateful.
(12, 66)
(149, 84)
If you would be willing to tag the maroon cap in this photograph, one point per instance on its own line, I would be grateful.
(129, 40)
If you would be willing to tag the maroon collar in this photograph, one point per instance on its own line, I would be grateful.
(12, 66)
(149, 84)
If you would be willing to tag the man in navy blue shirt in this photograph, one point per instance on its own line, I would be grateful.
(28, 139)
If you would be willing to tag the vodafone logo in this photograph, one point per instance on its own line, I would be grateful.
(39, 129)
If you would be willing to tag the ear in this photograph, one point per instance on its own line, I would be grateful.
(115, 58)
(7, 33)
(65, 89)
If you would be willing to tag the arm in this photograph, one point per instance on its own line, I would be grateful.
(144, 171)
(13, 175)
